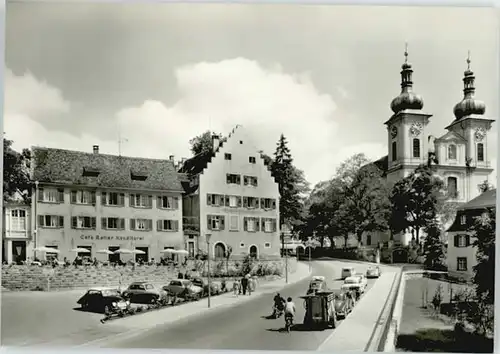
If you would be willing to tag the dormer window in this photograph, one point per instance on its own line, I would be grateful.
(452, 152)
(227, 157)
(463, 219)
(90, 172)
(138, 176)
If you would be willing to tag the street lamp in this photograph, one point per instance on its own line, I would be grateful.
(208, 236)
(309, 244)
(35, 210)
(285, 254)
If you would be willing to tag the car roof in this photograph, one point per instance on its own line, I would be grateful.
(352, 278)
(348, 268)
(102, 289)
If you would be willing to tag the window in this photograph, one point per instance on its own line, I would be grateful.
(85, 254)
(49, 256)
(142, 257)
(82, 197)
(463, 219)
(251, 224)
(267, 245)
(137, 176)
(215, 222)
(394, 151)
(233, 222)
(215, 200)
(167, 202)
(168, 225)
(83, 222)
(242, 245)
(452, 187)
(241, 142)
(452, 152)
(368, 240)
(416, 148)
(250, 181)
(268, 224)
(141, 224)
(250, 202)
(252, 159)
(268, 203)
(480, 152)
(51, 221)
(227, 156)
(51, 195)
(461, 241)
(113, 223)
(113, 199)
(461, 264)
(233, 201)
(141, 201)
(233, 179)
(18, 220)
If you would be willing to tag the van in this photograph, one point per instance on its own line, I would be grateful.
(347, 272)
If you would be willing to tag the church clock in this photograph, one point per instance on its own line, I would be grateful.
(394, 132)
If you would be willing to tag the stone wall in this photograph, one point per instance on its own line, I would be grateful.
(21, 277)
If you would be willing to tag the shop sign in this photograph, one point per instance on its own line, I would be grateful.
(111, 238)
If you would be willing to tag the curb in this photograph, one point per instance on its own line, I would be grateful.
(136, 332)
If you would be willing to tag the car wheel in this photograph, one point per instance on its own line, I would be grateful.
(85, 306)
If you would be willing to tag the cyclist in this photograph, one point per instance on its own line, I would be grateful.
(289, 310)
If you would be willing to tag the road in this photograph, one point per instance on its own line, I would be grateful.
(243, 327)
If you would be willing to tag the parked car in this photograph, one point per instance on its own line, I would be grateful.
(355, 283)
(144, 293)
(214, 287)
(347, 272)
(318, 283)
(183, 288)
(344, 303)
(104, 300)
(373, 272)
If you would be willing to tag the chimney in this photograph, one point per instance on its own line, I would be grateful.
(95, 148)
(171, 158)
(215, 142)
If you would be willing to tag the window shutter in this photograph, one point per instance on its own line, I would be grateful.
(254, 181)
(263, 224)
(121, 199)
(467, 240)
(132, 224)
(238, 179)
(61, 195)
(131, 200)
(209, 199)
(92, 197)
(227, 200)
(93, 221)
(40, 194)
(121, 224)
(150, 201)
(274, 225)
(158, 203)
(455, 240)
(245, 224)
(104, 223)
(104, 200)
(61, 221)
(228, 178)
(209, 222)
(150, 224)
(245, 180)
(176, 202)
(257, 223)
(41, 220)
(222, 220)
(262, 203)
(256, 203)
(239, 201)
(73, 197)
(176, 225)
(274, 204)
(158, 225)
(73, 222)
(245, 202)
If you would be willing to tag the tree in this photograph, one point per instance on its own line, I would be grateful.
(203, 142)
(416, 201)
(285, 175)
(434, 248)
(16, 179)
(348, 169)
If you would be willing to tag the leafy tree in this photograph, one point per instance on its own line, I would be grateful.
(16, 179)
(350, 167)
(203, 142)
(434, 248)
(285, 175)
(416, 201)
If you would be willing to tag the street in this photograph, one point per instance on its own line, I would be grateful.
(245, 326)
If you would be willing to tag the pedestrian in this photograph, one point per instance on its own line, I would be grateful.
(244, 285)
(249, 284)
(236, 287)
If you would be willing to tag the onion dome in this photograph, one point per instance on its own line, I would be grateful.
(407, 99)
(469, 105)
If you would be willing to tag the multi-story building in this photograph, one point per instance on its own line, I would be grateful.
(17, 234)
(461, 255)
(105, 202)
(231, 195)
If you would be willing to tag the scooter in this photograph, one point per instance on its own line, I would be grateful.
(277, 312)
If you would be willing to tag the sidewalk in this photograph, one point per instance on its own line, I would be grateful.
(363, 320)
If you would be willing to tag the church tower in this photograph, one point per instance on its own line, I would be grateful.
(406, 129)
(472, 127)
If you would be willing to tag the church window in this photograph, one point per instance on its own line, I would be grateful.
(480, 152)
(452, 152)
(416, 147)
(452, 187)
(394, 151)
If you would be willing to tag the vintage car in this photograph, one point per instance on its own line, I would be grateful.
(183, 288)
(214, 287)
(356, 283)
(144, 293)
(318, 283)
(347, 272)
(344, 303)
(373, 272)
(104, 300)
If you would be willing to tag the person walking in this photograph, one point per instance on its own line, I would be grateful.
(244, 284)
(236, 287)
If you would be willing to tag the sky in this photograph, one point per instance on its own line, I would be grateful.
(143, 79)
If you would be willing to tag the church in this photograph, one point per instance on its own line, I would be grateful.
(460, 156)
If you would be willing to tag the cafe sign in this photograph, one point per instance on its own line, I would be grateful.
(111, 238)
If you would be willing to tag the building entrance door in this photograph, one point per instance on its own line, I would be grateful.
(18, 251)
(190, 248)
